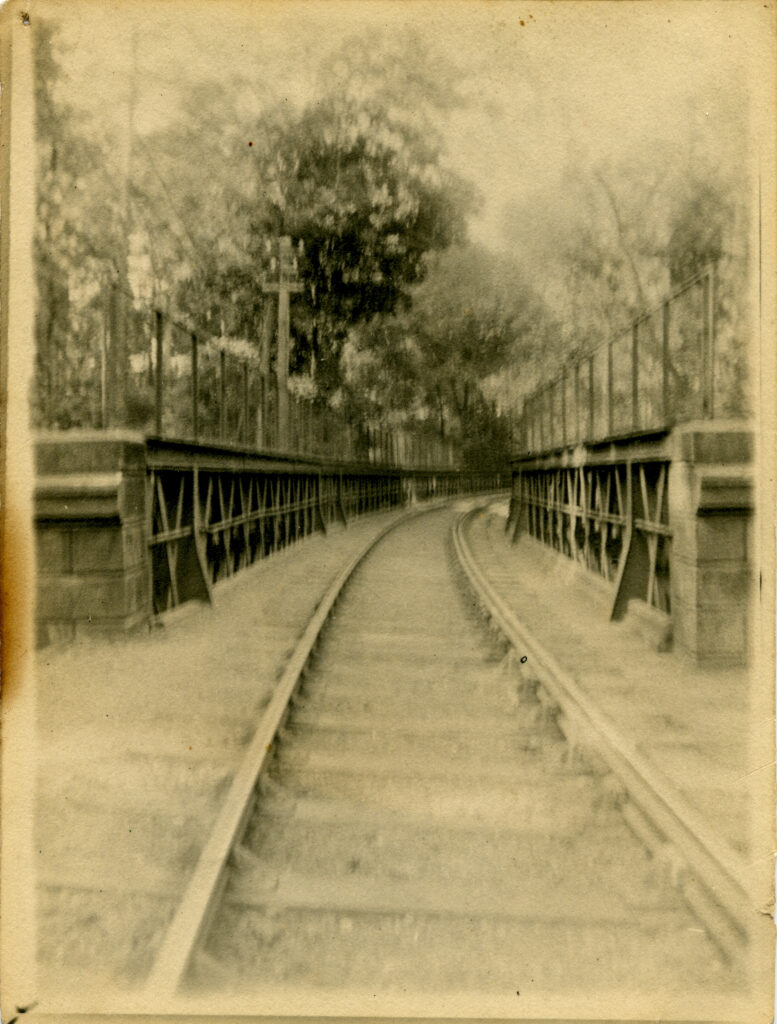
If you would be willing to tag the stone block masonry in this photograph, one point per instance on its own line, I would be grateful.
(664, 520)
(90, 535)
(711, 504)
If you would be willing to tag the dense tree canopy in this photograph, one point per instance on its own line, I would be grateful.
(470, 321)
(400, 315)
(368, 206)
(363, 187)
(623, 231)
(80, 223)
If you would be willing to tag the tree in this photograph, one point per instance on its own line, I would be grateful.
(357, 175)
(623, 230)
(708, 228)
(368, 207)
(472, 321)
(79, 245)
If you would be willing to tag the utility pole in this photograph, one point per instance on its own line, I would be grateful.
(115, 351)
(263, 435)
(286, 283)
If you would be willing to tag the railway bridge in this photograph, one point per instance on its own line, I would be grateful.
(411, 733)
(619, 464)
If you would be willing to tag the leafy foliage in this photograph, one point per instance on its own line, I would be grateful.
(360, 184)
(78, 222)
(621, 233)
(368, 209)
(470, 318)
(399, 317)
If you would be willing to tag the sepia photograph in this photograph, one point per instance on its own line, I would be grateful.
(388, 510)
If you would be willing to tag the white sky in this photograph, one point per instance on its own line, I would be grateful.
(596, 78)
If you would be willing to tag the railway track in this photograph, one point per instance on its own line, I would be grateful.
(411, 818)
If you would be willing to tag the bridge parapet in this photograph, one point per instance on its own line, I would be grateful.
(90, 511)
(662, 521)
(621, 465)
(177, 460)
(711, 504)
(129, 526)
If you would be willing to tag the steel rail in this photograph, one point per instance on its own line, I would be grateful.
(710, 877)
(200, 900)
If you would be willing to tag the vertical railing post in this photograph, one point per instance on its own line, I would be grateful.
(564, 406)
(635, 375)
(110, 358)
(222, 394)
(104, 344)
(610, 392)
(551, 390)
(526, 413)
(544, 402)
(115, 353)
(159, 374)
(708, 345)
(270, 413)
(276, 414)
(261, 426)
(665, 328)
(531, 427)
(264, 428)
(541, 417)
(245, 402)
(535, 437)
(577, 402)
(590, 397)
(195, 389)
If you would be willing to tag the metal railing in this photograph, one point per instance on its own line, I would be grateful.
(116, 365)
(658, 372)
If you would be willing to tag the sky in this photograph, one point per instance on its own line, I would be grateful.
(549, 82)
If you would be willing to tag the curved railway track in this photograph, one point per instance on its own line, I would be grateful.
(410, 816)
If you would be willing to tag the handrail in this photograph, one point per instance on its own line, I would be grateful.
(141, 367)
(636, 381)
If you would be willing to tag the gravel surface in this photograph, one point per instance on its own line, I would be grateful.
(427, 829)
(692, 723)
(423, 827)
(138, 740)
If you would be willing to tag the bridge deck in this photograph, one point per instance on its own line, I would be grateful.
(127, 723)
(692, 723)
(175, 709)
